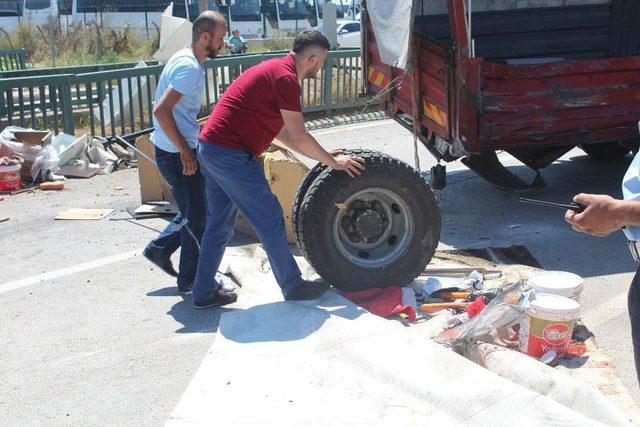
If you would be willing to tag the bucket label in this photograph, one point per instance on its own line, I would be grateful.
(556, 334)
(10, 181)
(538, 336)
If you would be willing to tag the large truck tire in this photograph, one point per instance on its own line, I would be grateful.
(378, 229)
(606, 151)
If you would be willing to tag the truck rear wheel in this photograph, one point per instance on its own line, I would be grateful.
(378, 229)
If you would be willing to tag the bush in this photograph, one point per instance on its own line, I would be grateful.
(78, 44)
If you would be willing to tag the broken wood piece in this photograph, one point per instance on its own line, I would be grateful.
(4, 219)
(56, 186)
(84, 214)
(24, 190)
(454, 295)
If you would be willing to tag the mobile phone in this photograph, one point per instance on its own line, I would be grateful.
(576, 207)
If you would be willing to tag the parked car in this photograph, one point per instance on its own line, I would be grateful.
(348, 33)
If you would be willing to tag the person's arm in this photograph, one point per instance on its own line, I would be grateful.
(163, 112)
(295, 136)
(603, 214)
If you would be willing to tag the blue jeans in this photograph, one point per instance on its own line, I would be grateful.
(234, 179)
(188, 191)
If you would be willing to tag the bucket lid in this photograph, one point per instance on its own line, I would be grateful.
(555, 304)
(557, 282)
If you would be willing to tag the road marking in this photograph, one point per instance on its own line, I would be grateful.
(352, 127)
(5, 287)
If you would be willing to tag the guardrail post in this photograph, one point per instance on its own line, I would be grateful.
(3, 104)
(67, 107)
(21, 59)
(328, 82)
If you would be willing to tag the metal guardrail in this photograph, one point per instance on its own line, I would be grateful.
(119, 101)
(76, 69)
(13, 59)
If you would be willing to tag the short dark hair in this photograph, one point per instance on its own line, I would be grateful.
(206, 22)
(310, 38)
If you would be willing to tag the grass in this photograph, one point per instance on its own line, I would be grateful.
(77, 44)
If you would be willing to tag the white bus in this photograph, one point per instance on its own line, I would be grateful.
(138, 14)
(267, 18)
(10, 14)
(37, 12)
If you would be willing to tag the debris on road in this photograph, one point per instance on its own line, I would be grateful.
(55, 186)
(153, 210)
(84, 214)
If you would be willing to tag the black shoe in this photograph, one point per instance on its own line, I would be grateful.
(185, 289)
(162, 263)
(307, 291)
(218, 299)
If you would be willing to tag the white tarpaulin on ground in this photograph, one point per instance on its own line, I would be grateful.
(392, 22)
(330, 362)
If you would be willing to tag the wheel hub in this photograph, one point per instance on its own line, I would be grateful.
(368, 225)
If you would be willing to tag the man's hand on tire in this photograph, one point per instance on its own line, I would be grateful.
(189, 162)
(352, 165)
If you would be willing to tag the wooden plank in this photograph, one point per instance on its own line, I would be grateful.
(534, 128)
(564, 100)
(566, 68)
(604, 79)
(84, 214)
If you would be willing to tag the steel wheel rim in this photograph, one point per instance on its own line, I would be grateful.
(388, 244)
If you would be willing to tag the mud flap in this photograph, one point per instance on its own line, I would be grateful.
(489, 167)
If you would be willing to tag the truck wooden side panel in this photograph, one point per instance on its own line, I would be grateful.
(563, 103)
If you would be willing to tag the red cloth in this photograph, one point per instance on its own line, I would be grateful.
(248, 115)
(476, 307)
(382, 301)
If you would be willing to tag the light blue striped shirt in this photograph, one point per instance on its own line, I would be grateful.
(182, 73)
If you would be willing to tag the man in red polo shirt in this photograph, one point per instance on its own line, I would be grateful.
(264, 102)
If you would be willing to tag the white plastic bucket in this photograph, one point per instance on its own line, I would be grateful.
(560, 283)
(548, 325)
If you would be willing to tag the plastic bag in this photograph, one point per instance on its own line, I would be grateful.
(41, 159)
(503, 311)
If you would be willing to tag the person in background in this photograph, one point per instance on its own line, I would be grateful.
(176, 106)
(236, 43)
(261, 104)
(604, 215)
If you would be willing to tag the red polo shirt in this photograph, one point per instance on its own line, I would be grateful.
(248, 114)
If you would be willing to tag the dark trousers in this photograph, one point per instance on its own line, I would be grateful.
(188, 191)
(634, 316)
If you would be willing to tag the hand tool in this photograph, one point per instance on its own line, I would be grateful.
(576, 207)
(454, 295)
(437, 306)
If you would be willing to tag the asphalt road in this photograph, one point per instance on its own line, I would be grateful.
(92, 334)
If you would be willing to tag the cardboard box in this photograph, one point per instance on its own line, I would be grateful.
(284, 174)
(33, 137)
(153, 187)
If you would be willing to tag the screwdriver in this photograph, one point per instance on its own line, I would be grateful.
(576, 207)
